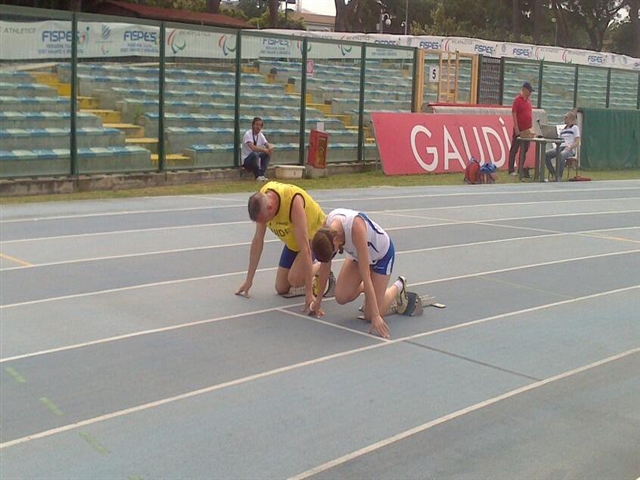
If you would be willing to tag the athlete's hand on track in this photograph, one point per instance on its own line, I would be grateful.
(243, 291)
(315, 310)
(379, 325)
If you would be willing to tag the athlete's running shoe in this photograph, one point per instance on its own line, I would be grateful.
(402, 299)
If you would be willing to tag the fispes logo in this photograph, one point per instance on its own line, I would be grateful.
(176, 44)
(106, 32)
(140, 36)
(300, 45)
(344, 49)
(83, 37)
(225, 46)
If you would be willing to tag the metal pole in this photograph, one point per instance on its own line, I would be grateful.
(162, 157)
(575, 87)
(73, 146)
(406, 16)
(608, 100)
(363, 62)
(237, 161)
(540, 76)
(303, 100)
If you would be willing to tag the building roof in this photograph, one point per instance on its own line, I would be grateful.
(314, 17)
(172, 15)
(314, 20)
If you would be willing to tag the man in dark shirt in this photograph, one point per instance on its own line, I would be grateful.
(522, 121)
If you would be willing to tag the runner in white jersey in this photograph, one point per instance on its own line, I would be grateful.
(368, 267)
(378, 240)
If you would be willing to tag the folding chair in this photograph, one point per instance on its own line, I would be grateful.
(573, 162)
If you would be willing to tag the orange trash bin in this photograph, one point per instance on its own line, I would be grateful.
(318, 144)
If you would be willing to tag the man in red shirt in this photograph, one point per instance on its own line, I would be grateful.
(522, 120)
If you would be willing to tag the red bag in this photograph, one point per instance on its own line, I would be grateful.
(472, 172)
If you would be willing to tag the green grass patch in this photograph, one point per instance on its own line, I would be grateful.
(352, 180)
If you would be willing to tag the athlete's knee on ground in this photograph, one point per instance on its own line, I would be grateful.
(343, 298)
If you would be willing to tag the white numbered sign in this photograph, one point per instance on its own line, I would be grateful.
(434, 74)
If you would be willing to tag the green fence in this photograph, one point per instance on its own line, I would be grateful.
(563, 87)
(611, 139)
(116, 95)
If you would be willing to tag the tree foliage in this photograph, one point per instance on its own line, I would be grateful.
(585, 24)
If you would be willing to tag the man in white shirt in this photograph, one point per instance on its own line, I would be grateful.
(570, 135)
(256, 151)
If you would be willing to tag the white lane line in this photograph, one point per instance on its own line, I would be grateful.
(136, 334)
(132, 287)
(288, 368)
(511, 193)
(217, 198)
(397, 213)
(131, 255)
(120, 213)
(511, 269)
(533, 217)
(459, 413)
(243, 272)
(548, 232)
(324, 322)
(120, 232)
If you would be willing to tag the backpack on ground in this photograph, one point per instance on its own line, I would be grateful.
(488, 173)
(472, 172)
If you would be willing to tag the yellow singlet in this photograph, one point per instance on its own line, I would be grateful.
(281, 224)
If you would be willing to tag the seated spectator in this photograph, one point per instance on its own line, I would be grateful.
(570, 135)
(256, 151)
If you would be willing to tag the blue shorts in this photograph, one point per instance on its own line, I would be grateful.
(384, 266)
(287, 258)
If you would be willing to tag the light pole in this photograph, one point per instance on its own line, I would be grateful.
(385, 19)
(554, 20)
(406, 16)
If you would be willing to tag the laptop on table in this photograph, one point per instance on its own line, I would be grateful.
(550, 132)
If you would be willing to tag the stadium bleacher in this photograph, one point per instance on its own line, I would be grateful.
(118, 109)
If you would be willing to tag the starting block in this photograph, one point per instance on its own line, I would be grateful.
(415, 305)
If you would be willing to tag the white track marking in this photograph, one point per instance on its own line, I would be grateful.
(397, 213)
(120, 213)
(137, 334)
(390, 229)
(339, 200)
(288, 368)
(549, 233)
(121, 232)
(459, 413)
(324, 322)
(222, 275)
(133, 255)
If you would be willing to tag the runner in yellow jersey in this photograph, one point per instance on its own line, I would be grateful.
(294, 217)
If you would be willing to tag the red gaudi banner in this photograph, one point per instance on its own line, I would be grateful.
(412, 143)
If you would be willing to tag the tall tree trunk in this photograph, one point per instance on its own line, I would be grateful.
(73, 5)
(273, 13)
(634, 15)
(537, 20)
(343, 11)
(213, 6)
(515, 20)
(561, 24)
